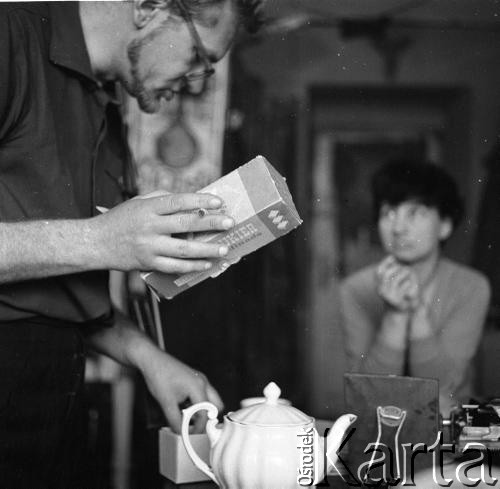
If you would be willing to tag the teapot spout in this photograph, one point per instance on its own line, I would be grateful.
(335, 437)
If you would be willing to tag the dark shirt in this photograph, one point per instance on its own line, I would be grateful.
(61, 149)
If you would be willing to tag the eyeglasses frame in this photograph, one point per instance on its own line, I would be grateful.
(208, 69)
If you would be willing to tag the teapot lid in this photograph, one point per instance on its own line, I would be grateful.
(270, 412)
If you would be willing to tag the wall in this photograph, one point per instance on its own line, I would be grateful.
(288, 65)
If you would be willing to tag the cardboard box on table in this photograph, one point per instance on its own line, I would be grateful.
(175, 463)
(256, 196)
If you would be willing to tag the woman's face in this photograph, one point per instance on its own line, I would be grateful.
(411, 231)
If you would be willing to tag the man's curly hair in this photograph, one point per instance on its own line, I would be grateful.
(251, 14)
(250, 11)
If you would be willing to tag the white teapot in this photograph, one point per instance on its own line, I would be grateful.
(265, 446)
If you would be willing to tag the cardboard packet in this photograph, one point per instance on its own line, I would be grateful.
(256, 196)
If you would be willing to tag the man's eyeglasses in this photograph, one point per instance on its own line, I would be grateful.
(208, 69)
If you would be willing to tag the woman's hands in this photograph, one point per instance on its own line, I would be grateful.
(397, 284)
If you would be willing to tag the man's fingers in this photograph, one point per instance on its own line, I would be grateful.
(169, 247)
(200, 422)
(208, 394)
(174, 416)
(178, 265)
(192, 222)
(214, 398)
(173, 203)
(199, 395)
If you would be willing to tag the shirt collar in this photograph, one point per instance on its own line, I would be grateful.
(67, 45)
(68, 48)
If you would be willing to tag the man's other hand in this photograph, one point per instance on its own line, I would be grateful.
(173, 384)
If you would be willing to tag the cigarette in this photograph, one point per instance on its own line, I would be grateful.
(202, 212)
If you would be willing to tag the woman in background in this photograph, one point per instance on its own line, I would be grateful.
(416, 312)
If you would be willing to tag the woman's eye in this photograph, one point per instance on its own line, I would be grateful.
(388, 214)
(419, 210)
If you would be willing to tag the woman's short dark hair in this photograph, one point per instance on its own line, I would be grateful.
(402, 180)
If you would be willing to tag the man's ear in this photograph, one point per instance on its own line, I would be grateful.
(446, 229)
(146, 10)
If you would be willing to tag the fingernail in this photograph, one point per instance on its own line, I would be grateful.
(223, 250)
(215, 202)
(227, 223)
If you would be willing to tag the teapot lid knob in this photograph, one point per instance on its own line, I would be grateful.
(272, 393)
(272, 412)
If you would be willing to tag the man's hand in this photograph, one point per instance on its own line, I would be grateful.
(173, 383)
(137, 235)
(397, 285)
(170, 381)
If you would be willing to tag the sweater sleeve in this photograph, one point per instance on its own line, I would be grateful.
(365, 348)
(447, 354)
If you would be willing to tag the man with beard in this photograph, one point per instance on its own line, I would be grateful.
(62, 154)
(416, 312)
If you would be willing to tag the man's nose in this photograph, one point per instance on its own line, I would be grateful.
(178, 86)
(194, 87)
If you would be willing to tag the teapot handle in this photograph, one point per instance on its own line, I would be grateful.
(187, 414)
